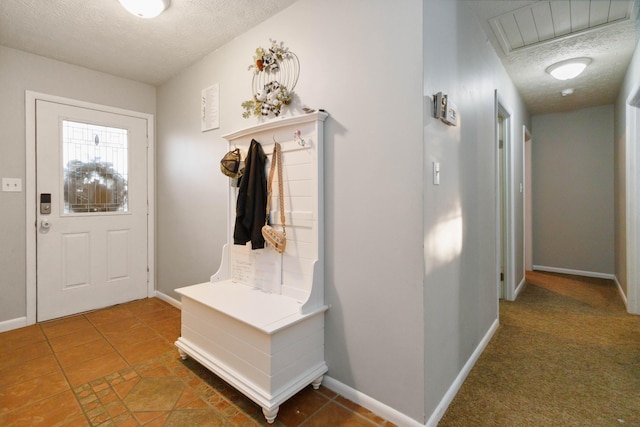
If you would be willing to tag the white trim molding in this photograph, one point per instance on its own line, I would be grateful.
(166, 298)
(574, 272)
(519, 288)
(398, 417)
(438, 413)
(9, 325)
(589, 274)
(621, 291)
(509, 214)
(375, 406)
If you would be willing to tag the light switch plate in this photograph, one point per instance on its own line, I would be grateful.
(11, 184)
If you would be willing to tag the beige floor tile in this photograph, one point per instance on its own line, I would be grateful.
(108, 315)
(17, 356)
(360, 410)
(20, 337)
(95, 368)
(146, 305)
(195, 417)
(79, 337)
(25, 393)
(65, 326)
(143, 350)
(301, 406)
(124, 370)
(76, 355)
(337, 415)
(57, 410)
(28, 370)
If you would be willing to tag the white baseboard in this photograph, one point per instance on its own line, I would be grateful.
(587, 274)
(375, 406)
(399, 418)
(574, 272)
(519, 288)
(624, 297)
(437, 415)
(166, 298)
(9, 325)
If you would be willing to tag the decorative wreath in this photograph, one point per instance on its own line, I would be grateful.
(275, 74)
(93, 187)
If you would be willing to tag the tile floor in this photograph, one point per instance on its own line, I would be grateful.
(118, 367)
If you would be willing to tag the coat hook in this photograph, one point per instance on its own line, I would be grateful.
(297, 138)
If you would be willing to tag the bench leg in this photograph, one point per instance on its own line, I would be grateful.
(270, 415)
(316, 383)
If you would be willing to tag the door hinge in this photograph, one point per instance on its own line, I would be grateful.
(502, 277)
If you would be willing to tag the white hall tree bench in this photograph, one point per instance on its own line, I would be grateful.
(259, 322)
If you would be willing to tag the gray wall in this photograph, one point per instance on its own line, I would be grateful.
(362, 62)
(622, 123)
(573, 204)
(20, 71)
(406, 312)
(460, 296)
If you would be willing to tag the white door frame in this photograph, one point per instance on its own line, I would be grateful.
(527, 251)
(509, 267)
(31, 196)
(632, 156)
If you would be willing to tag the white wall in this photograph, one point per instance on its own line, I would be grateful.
(20, 71)
(362, 62)
(573, 205)
(460, 298)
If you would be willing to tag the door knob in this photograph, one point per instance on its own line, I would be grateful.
(45, 223)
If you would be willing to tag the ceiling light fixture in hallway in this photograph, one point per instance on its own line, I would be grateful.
(145, 8)
(568, 69)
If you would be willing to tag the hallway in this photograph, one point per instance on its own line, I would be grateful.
(566, 353)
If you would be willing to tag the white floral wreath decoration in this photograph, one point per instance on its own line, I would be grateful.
(275, 74)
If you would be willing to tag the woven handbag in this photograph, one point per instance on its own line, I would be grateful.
(274, 238)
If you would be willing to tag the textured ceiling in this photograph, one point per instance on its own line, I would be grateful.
(102, 35)
(610, 45)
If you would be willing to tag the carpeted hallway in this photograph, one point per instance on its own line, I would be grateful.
(566, 354)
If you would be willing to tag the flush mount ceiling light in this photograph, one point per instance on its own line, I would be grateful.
(569, 69)
(145, 8)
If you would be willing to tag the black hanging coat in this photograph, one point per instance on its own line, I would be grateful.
(252, 199)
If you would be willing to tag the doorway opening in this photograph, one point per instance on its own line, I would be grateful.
(504, 217)
(528, 198)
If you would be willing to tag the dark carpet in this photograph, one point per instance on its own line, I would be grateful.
(566, 354)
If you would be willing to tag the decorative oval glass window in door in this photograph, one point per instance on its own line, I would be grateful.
(95, 162)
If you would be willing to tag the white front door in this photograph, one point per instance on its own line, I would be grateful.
(92, 241)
